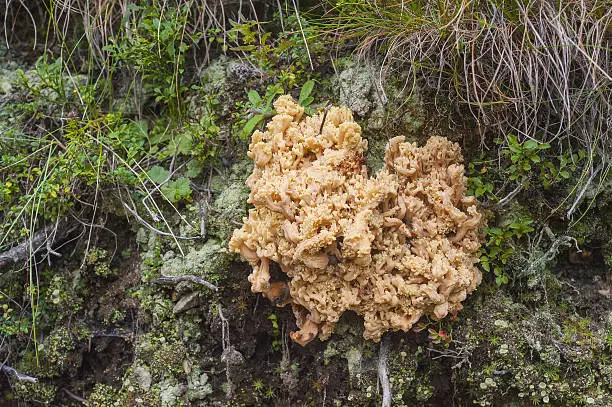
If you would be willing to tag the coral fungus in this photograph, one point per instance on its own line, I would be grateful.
(392, 248)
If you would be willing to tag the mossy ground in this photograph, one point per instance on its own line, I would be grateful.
(109, 334)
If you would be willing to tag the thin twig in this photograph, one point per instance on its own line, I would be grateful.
(153, 229)
(581, 194)
(170, 280)
(226, 345)
(506, 200)
(297, 16)
(74, 396)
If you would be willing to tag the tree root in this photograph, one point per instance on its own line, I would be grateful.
(383, 373)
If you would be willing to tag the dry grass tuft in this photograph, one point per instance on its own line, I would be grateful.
(539, 69)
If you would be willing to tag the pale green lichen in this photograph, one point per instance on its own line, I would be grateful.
(227, 210)
(213, 81)
(230, 195)
(359, 89)
(170, 393)
(198, 386)
(214, 77)
(208, 261)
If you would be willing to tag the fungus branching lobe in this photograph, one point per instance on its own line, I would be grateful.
(391, 247)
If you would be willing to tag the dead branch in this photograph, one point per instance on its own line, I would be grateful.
(20, 376)
(43, 239)
(504, 201)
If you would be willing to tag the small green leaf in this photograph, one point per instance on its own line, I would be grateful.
(158, 174)
(181, 145)
(307, 101)
(310, 111)
(142, 126)
(271, 93)
(305, 92)
(530, 144)
(252, 124)
(193, 169)
(182, 187)
(175, 191)
(254, 97)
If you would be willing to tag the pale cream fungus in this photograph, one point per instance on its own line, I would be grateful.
(392, 248)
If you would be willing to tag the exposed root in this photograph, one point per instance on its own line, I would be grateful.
(225, 341)
(383, 373)
(75, 397)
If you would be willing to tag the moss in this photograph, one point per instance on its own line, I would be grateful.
(60, 297)
(157, 375)
(168, 360)
(409, 385)
(360, 357)
(591, 229)
(156, 309)
(40, 392)
(136, 388)
(55, 355)
(161, 354)
(104, 396)
(535, 355)
(97, 260)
